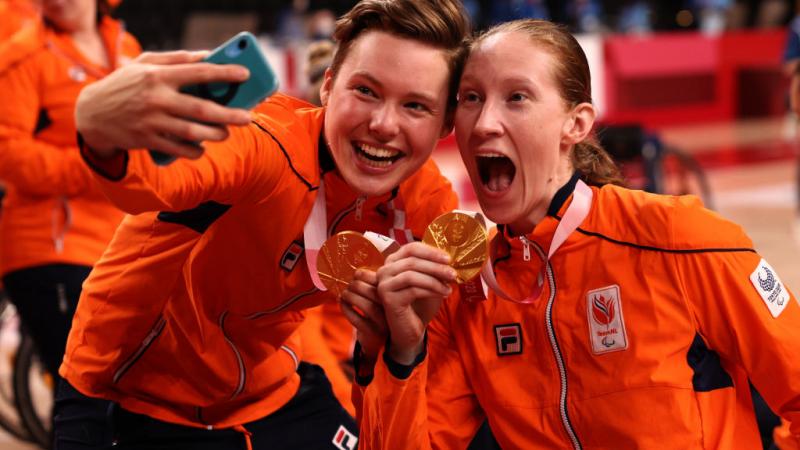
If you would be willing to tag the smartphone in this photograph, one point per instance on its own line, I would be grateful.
(242, 49)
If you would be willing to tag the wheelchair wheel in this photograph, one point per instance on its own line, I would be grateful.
(33, 393)
(680, 174)
(10, 420)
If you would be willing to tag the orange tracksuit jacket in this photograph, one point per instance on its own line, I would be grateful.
(328, 340)
(53, 211)
(188, 315)
(16, 14)
(644, 337)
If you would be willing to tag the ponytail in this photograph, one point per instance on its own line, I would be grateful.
(595, 164)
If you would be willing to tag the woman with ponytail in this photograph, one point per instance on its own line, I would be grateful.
(614, 318)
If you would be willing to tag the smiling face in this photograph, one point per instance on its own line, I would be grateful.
(386, 110)
(514, 130)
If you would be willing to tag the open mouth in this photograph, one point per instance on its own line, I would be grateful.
(375, 156)
(496, 171)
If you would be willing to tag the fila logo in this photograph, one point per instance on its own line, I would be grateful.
(770, 288)
(508, 339)
(291, 256)
(344, 440)
(606, 323)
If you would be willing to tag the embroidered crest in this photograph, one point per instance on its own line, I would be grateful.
(291, 256)
(344, 439)
(606, 323)
(508, 339)
(770, 288)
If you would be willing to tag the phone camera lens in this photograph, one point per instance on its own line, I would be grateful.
(242, 44)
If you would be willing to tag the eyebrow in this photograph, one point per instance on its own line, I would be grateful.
(419, 96)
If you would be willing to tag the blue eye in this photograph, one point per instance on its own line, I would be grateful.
(364, 90)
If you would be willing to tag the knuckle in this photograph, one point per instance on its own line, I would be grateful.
(187, 130)
(150, 75)
(144, 56)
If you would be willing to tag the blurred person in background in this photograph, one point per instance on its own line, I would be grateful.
(56, 222)
(505, 10)
(188, 322)
(635, 17)
(318, 58)
(587, 15)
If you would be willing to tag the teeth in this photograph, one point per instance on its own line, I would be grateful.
(491, 155)
(374, 163)
(378, 152)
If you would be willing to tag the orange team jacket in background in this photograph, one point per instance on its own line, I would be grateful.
(654, 313)
(53, 211)
(16, 14)
(328, 340)
(188, 315)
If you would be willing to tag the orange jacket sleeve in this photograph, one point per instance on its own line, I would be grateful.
(744, 312)
(243, 165)
(31, 165)
(433, 408)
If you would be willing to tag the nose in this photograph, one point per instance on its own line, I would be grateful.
(488, 123)
(384, 123)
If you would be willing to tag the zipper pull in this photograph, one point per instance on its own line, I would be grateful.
(360, 207)
(526, 249)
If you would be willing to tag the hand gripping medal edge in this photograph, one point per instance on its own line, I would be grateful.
(463, 235)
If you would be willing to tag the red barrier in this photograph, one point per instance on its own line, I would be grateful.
(670, 78)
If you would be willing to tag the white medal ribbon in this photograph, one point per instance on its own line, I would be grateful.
(573, 217)
(314, 235)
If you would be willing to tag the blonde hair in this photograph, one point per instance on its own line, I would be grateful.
(575, 86)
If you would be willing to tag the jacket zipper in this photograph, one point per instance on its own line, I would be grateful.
(551, 333)
(146, 343)
(291, 353)
(360, 207)
(239, 360)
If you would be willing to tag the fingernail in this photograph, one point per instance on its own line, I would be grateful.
(243, 72)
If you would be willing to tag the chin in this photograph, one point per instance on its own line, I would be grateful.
(372, 188)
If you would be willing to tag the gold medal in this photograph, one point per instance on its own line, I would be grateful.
(464, 238)
(341, 255)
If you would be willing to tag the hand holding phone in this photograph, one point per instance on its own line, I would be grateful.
(242, 49)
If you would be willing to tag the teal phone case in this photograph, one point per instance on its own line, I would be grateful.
(242, 49)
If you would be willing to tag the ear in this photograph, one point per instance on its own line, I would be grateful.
(325, 87)
(579, 124)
